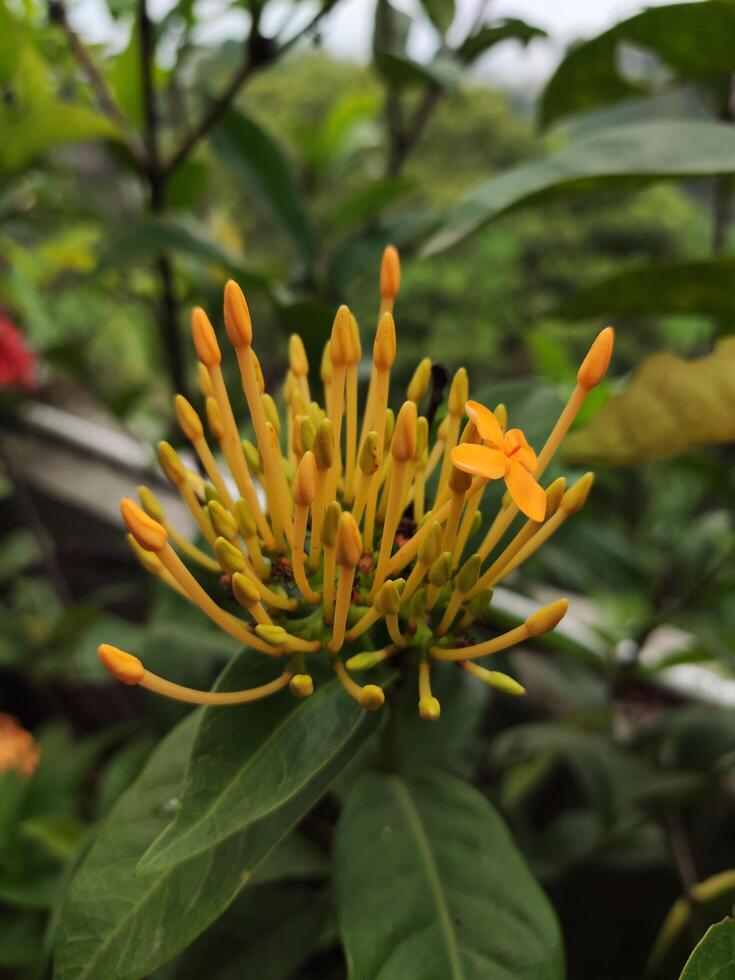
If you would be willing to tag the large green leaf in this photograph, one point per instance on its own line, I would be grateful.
(668, 287)
(440, 13)
(121, 925)
(714, 957)
(669, 407)
(294, 749)
(429, 884)
(694, 40)
(507, 29)
(632, 154)
(253, 154)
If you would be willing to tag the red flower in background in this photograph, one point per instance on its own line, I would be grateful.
(17, 361)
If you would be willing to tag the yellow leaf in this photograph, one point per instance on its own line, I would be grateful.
(669, 407)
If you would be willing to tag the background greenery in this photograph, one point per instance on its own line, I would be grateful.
(134, 178)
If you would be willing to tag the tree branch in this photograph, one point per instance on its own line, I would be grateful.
(261, 52)
(105, 99)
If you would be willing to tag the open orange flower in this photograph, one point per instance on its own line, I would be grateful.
(504, 454)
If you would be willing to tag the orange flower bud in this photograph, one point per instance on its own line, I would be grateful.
(237, 316)
(148, 533)
(384, 347)
(123, 666)
(205, 341)
(390, 272)
(594, 367)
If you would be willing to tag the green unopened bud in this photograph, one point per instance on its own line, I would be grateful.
(275, 635)
(271, 412)
(390, 428)
(252, 456)
(504, 683)
(330, 524)
(419, 383)
(171, 464)
(468, 574)
(230, 558)
(245, 521)
(244, 590)
(323, 448)
(422, 438)
(476, 523)
(223, 523)
(388, 599)
(417, 604)
(308, 433)
(151, 504)
(369, 461)
(362, 661)
(430, 544)
(441, 570)
(211, 494)
(479, 603)
(301, 685)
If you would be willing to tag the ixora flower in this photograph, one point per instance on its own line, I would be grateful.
(345, 546)
(18, 750)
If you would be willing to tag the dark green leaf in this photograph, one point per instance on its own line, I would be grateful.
(401, 70)
(294, 749)
(440, 13)
(633, 154)
(694, 40)
(253, 154)
(429, 884)
(714, 957)
(508, 29)
(668, 287)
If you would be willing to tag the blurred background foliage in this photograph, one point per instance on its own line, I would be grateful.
(136, 175)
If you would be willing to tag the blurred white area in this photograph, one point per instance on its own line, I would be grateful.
(347, 31)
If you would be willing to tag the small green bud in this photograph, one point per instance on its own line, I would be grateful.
(468, 574)
(441, 570)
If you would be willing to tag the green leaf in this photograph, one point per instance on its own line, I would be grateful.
(694, 40)
(507, 29)
(714, 957)
(401, 70)
(671, 406)
(148, 237)
(665, 288)
(631, 154)
(440, 13)
(429, 884)
(294, 749)
(253, 155)
(269, 931)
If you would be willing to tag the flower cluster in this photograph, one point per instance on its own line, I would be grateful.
(322, 532)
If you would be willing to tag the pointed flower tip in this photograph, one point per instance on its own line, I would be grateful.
(458, 393)
(191, 424)
(305, 481)
(576, 496)
(149, 534)
(229, 556)
(429, 709)
(301, 685)
(151, 504)
(238, 324)
(502, 682)
(362, 661)
(594, 367)
(419, 383)
(171, 464)
(372, 697)
(297, 358)
(348, 549)
(390, 272)
(340, 345)
(403, 444)
(384, 347)
(546, 619)
(205, 341)
(244, 591)
(123, 666)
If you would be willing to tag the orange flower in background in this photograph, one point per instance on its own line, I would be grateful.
(18, 750)
(505, 455)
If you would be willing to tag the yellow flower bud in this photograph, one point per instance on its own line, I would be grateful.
(301, 685)
(244, 591)
(252, 456)
(468, 574)
(504, 683)
(554, 493)
(325, 368)
(245, 520)
(123, 666)
(308, 433)
(230, 557)
(419, 383)
(324, 445)
(149, 534)
(429, 709)
(191, 424)
(171, 464)
(348, 549)
(271, 412)
(459, 392)
(369, 460)
(384, 347)
(305, 481)
(422, 438)
(390, 272)
(362, 661)
(223, 523)
(403, 444)
(430, 544)
(297, 356)
(205, 341)
(372, 697)
(388, 599)
(594, 367)
(576, 496)
(544, 620)
(340, 345)
(237, 316)
(501, 414)
(203, 380)
(390, 427)
(441, 570)
(355, 342)
(275, 635)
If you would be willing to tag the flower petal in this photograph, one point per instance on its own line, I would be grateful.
(487, 425)
(518, 446)
(480, 460)
(526, 493)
